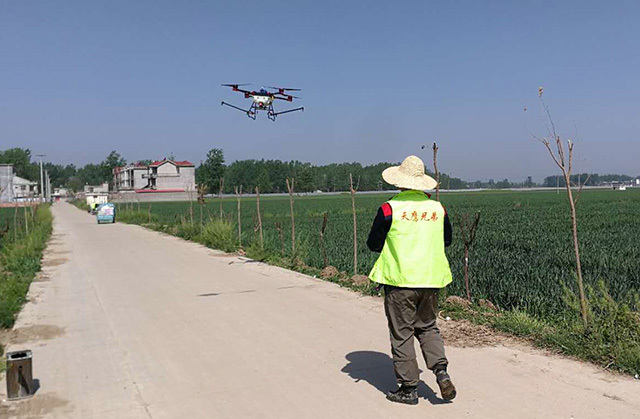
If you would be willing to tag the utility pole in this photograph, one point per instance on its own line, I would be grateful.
(48, 189)
(41, 177)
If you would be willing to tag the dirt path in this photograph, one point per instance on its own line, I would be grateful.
(129, 323)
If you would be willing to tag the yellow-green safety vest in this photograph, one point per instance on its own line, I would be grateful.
(413, 253)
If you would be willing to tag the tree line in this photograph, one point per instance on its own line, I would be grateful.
(69, 176)
(268, 175)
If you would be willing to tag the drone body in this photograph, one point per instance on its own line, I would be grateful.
(262, 100)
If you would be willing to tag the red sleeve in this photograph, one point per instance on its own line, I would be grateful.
(386, 210)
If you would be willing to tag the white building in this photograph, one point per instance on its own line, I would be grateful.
(23, 189)
(89, 189)
(13, 188)
(130, 177)
(171, 176)
(6, 178)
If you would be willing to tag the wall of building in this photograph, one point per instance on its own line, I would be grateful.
(6, 187)
(104, 188)
(23, 188)
(172, 177)
(134, 197)
(138, 181)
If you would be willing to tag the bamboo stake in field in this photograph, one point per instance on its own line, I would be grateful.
(435, 168)
(190, 192)
(220, 194)
(26, 221)
(259, 217)
(564, 160)
(149, 213)
(468, 233)
(15, 224)
(281, 236)
(290, 188)
(238, 196)
(325, 219)
(352, 190)
(202, 190)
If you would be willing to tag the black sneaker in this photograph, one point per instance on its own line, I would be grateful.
(404, 395)
(447, 389)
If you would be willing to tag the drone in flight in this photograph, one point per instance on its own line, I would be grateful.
(263, 100)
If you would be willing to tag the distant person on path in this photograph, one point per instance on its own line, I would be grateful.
(411, 231)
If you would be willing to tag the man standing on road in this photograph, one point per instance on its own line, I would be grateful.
(411, 232)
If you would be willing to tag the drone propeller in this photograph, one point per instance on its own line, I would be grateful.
(235, 85)
(284, 89)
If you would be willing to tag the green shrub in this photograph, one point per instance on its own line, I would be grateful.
(611, 339)
(613, 335)
(134, 217)
(220, 234)
(188, 231)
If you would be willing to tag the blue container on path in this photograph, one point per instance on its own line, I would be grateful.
(106, 213)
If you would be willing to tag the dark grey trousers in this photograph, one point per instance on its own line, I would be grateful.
(413, 312)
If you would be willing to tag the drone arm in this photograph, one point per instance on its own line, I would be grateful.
(286, 97)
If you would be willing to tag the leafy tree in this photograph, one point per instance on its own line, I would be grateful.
(503, 184)
(59, 174)
(210, 172)
(75, 184)
(20, 158)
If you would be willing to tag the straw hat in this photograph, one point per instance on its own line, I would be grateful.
(409, 175)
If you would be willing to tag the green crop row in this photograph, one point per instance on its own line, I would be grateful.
(522, 258)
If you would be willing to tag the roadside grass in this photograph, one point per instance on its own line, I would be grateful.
(612, 339)
(80, 204)
(20, 257)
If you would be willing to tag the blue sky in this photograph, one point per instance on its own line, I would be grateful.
(379, 79)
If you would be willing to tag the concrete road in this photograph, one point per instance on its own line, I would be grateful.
(129, 323)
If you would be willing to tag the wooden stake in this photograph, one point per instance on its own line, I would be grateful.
(26, 221)
(220, 194)
(355, 225)
(259, 217)
(325, 219)
(435, 168)
(281, 235)
(293, 220)
(15, 224)
(238, 196)
(190, 192)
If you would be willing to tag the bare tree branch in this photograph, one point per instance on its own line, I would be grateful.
(548, 146)
(577, 198)
(570, 146)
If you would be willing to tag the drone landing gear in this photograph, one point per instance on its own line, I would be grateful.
(272, 115)
(251, 113)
